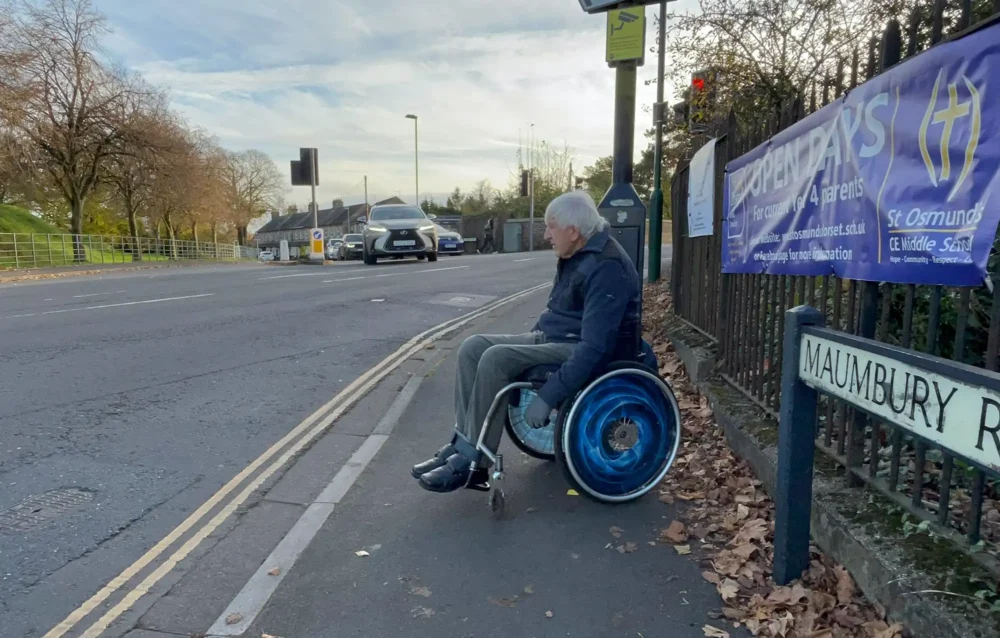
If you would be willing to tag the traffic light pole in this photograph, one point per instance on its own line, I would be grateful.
(624, 142)
(656, 200)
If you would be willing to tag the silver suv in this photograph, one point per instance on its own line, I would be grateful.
(398, 230)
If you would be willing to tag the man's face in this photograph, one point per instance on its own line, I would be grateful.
(565, 239)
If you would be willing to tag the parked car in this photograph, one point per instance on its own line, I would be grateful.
(398, 230)
(333, 249)
(351, 247)
(449, 242)
(266, 255)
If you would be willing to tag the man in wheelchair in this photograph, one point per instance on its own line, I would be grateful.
(592, 318)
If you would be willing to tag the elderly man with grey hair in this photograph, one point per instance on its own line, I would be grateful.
(592, 317)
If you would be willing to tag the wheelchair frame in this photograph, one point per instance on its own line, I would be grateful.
(497, 498)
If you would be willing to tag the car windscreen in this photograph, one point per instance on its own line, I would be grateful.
(352, 238)
(402, 212)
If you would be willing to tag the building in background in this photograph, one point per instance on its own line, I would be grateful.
(294, 228)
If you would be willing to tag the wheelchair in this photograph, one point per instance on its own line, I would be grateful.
(614, 441)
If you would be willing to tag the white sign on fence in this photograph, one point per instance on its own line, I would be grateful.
(701, 191)
(958, 415)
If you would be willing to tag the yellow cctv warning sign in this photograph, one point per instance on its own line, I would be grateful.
(626, 35)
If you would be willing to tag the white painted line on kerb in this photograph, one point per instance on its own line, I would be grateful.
(112, 305)
(261, 586)
(300, 436)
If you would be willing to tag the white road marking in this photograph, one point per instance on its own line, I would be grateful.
(93, 294)
(301, 274)
(529, 259)
(112, 305)
(300, 436)
(419, 272)
(337, 281)
(261, 586)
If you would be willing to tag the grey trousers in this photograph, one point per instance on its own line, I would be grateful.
(486, 363)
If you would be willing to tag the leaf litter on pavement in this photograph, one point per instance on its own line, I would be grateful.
(725, 507)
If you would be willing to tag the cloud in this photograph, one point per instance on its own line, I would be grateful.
(340, 77)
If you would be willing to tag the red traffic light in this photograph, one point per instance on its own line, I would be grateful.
(698, 83)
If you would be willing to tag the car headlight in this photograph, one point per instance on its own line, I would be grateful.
(377, 229)
(426, 229)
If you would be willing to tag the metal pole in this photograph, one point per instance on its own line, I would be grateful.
(656, 200)
(531, 191)
(312, 186)
(416, 158)
(625, 79)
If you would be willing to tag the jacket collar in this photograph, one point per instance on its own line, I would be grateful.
(596, 243)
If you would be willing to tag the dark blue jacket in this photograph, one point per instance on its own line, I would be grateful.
(594, 301)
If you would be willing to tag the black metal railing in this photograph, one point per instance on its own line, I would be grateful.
(743, 313)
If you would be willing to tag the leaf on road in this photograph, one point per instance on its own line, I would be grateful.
(510, 603)
(616, 531)
(667, 498)
(895, 631)
(742, 512)
(711, 577)
(631, 547)
(232, 619)
(530, 589)
(691, 496)
(274, 571)
(683, 550)
(728, 589)
(362, 553)
(420, 591)
(268, 636)
(712, 632)
(422, 612)
(572, 493)
(676, 533)
(745, 551)
(704, 413)
(549, 614)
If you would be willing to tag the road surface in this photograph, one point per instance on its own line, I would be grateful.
(130, 400)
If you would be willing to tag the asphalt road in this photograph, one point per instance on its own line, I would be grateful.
(129, 399)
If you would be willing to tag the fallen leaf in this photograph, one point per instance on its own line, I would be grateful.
(703, 413)
(895, 631)
(745, 551)
(572, 493)
(845, 585)
(422, 612)
(667, 498)
(711, 577)
(631, 547)
(361, 553)
(683, 550)
(728, 589)
(651, 543)
(232, 619)
(268, 636)
(504, 602)
(530, 589)
(274, 571)
(691, 496)
(620, 549)
(420, 591)
(733, 614)
(742, 512)
(616, 531)
(676, 533)
(549, 614)
(712, 632)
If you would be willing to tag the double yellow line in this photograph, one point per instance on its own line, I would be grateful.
(312, 427)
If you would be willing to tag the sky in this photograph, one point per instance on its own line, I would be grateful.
(340, 75)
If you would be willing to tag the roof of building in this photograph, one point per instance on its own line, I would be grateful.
(325, 216)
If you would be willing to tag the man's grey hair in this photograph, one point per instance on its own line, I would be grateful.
(576, 209)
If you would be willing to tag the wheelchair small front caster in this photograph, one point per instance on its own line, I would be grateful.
(498, 502)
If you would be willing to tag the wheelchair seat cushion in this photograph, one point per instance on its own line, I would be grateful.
(539, 373)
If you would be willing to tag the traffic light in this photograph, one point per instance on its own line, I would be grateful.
(681, 112)
(702, 100)
(524, 183)
(306, 169)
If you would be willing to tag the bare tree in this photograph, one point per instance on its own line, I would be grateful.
(254, 185)
(61, 100)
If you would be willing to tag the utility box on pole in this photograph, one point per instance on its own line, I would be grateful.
(626, 214)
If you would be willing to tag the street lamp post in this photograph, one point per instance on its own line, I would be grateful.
(416, 156)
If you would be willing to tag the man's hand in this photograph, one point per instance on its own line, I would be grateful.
(537, 414)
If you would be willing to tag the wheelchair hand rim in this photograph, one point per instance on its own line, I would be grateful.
(668, 460)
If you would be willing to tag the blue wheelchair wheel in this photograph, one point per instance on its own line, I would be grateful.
(619, 436)
(539, 443)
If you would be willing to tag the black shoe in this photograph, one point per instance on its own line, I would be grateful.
(432, 464)
(479, 480)
(453, 475)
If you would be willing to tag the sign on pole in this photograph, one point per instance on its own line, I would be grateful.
(626, 35)
(317, 241)
(701, 191)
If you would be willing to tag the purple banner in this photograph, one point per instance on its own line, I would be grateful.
(893, 182)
